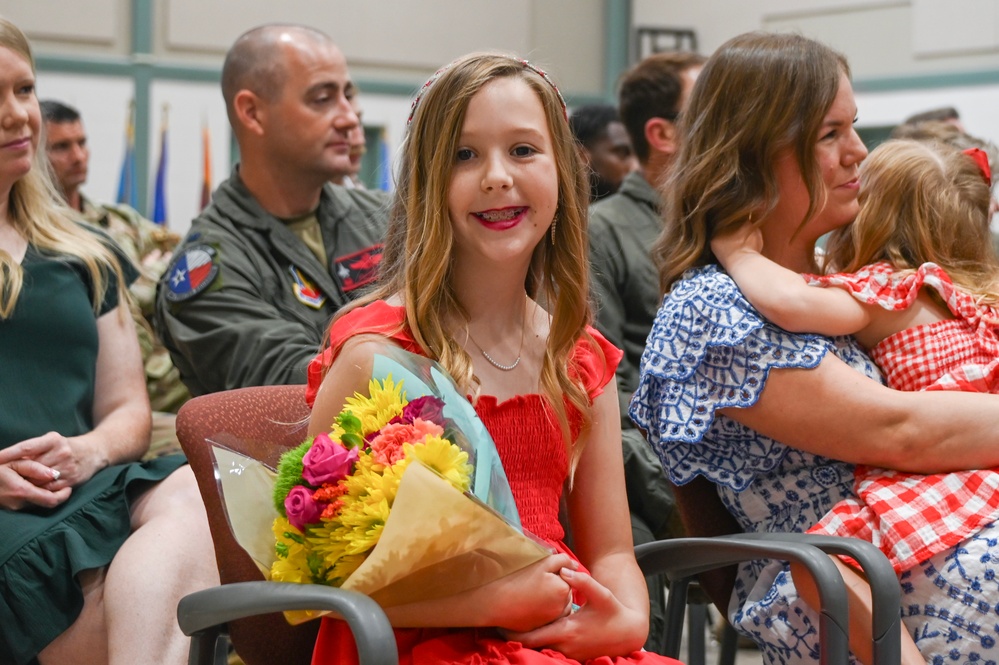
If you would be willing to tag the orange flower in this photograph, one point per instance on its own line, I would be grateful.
(387, 446)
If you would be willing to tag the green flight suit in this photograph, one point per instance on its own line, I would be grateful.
(246, 303)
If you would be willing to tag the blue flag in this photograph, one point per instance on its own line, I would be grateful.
(384, 164)
(127, 192)
(159, 202)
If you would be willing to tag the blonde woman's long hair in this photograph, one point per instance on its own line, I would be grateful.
(35, 212)
(922, 202)
(420, 238)
(758, 95)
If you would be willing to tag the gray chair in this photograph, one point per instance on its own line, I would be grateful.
(264, 421)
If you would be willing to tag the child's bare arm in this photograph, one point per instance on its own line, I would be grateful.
(781, 295)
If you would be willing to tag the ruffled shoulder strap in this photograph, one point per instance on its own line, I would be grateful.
(594, 362)
(880, 284)
(709, 349)
(378, 318)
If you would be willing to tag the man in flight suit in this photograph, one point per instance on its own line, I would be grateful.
(251, 290)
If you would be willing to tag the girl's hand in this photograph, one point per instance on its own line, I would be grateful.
(593, 630)
(535, 595)
(729, 243)
(58, 453)
(25, 482)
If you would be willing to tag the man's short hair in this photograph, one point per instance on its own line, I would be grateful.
(57, 112)
(653, 89)
(589, 123)
(254, 62)
(943, 113)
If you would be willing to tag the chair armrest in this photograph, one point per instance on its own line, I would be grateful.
(683, 558)
(210, 608)
(885, 590)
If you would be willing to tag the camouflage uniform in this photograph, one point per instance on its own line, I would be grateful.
(149, 247)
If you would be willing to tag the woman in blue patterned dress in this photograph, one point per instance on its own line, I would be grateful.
(776, 420)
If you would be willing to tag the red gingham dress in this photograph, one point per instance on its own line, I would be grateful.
(911, 517)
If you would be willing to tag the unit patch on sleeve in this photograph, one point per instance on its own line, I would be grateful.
(357, 269)
(191, 273)
(306, 292)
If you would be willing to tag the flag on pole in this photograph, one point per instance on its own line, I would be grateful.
(127, 192)
(159, 203)
(384, 163)
(206, 165)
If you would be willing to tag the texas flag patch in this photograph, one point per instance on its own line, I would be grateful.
(191, 273)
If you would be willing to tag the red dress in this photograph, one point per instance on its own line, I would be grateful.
(911, 517)
(534, 457)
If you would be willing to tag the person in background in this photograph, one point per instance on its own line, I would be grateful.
(251, 290)
(358, 146)
(604, 146)
(946, 114)
(98, 548)
(623, 228)
(147, 245)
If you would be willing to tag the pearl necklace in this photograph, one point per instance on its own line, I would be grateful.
(490, 359)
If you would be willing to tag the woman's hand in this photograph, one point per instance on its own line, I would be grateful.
(584, 633)
(728, 244)
(68, 462)
(25, 482)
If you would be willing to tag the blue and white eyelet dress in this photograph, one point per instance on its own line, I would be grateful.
(709, 349)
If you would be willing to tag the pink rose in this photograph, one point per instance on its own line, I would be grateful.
(427, 408)
(327, 461)
(300, 508)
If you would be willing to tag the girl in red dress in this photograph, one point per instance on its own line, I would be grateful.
(485, 270)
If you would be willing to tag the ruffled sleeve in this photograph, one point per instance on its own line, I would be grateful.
(377, 318)
(896, 290)
(594, 363)
(709, 350)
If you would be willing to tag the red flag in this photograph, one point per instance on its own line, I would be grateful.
(206, 161)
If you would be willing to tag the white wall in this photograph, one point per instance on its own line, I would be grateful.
(103, 101)
(190, 106)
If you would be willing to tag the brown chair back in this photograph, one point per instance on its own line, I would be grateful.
(261, 422)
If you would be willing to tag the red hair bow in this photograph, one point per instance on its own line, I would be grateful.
(982, 160)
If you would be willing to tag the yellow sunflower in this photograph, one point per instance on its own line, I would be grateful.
(447, 459)
(385, 401)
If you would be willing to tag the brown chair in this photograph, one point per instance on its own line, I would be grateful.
(262, 423)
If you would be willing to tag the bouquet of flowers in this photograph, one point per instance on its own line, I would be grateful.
(404, 499)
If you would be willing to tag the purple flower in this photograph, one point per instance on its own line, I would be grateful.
(301, 509)
(427, 408)
(327, 461)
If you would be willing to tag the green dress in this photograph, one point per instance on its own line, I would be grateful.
(48, 355)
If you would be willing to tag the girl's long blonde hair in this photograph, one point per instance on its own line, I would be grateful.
(35, 212)
(922, 202)
(758, 95)
(420, 238)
